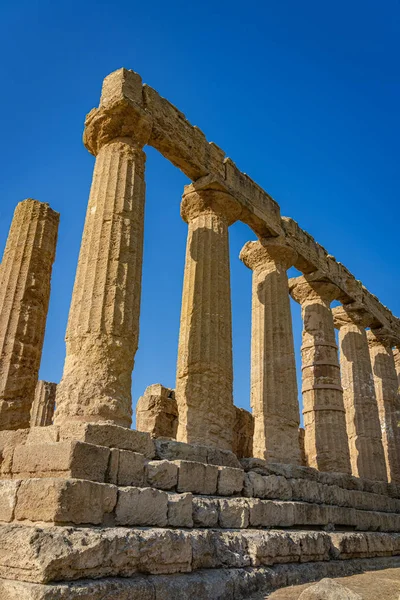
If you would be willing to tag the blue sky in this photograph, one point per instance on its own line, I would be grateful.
(304, 97)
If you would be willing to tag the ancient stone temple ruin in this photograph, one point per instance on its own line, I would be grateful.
(204, 500)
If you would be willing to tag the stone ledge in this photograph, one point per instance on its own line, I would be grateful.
(205, 584)
(77, 501)
(46, 554)
(258, 479)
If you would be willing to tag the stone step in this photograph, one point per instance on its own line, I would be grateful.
(50, 554)
(322, 485)
(82, 502)
(84, 460)
(205, 584)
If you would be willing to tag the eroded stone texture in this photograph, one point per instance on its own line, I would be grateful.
(362, 416)
(396, 354)
(243, 431)
(157, 412)
(325, 440)
(204, 382)
(385, 378)
(25, 274)
(273, 396)
(103, 326)
(42, 409)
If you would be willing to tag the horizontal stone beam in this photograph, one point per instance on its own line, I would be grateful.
(161, 125)
(313, 257)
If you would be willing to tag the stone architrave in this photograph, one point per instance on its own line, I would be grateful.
(325, 440)
(25, 275)
(362, 416)
(103, 326)
(385, 378)
(204, 382)
(274, 397)
(42, 410)
(157, 412)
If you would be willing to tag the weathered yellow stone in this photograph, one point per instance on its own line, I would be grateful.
(325, 441)
(273, 398)
(25, 274)
(204, 381)
(362, 416)
(385, 378)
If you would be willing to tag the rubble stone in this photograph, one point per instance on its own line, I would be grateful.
(157, 412)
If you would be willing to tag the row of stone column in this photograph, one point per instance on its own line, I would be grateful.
(344, 427)
(102, 333)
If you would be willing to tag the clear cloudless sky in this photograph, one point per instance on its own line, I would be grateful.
(303, 96)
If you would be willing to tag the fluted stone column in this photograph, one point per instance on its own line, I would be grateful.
(42, 409)
(385, 378)
(325, 440)
(396, 354)
(274, 398)
(204, 383)
(362, 416)
(25, 275)
(103, 326)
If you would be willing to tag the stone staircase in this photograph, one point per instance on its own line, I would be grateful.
(93, 511)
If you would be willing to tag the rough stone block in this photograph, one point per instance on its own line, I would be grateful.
(157, 412)
(270, 513)
(145, 506)
(180, 510)
(8, 499)
(305, 490)
(220, 457)
(329, 589)
(165, 551)
(64, 501)
(162, 474)
(272, 547)
(111, 436)
(233, 513)
(213, 549)
(131, 468)
(172, 450)
(43, 435)
(230, 481)
(277, 487)
(62, 459)
(196, 477)
(254, 485)
(205, 512)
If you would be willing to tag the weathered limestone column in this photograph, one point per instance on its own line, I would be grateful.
(103, 326)
(204, 382)
(385, 378)
(396, 355)
(362, 416)
(274, 398)
(25, 275)
(42, 409)
(325, 440)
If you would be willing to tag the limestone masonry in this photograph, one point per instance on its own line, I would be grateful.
(204, 499)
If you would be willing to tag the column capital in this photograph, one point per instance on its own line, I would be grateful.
(351, 314)
(120, 119)
(258, 254)
(380, 337)
(314, 286)
(197, 202)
